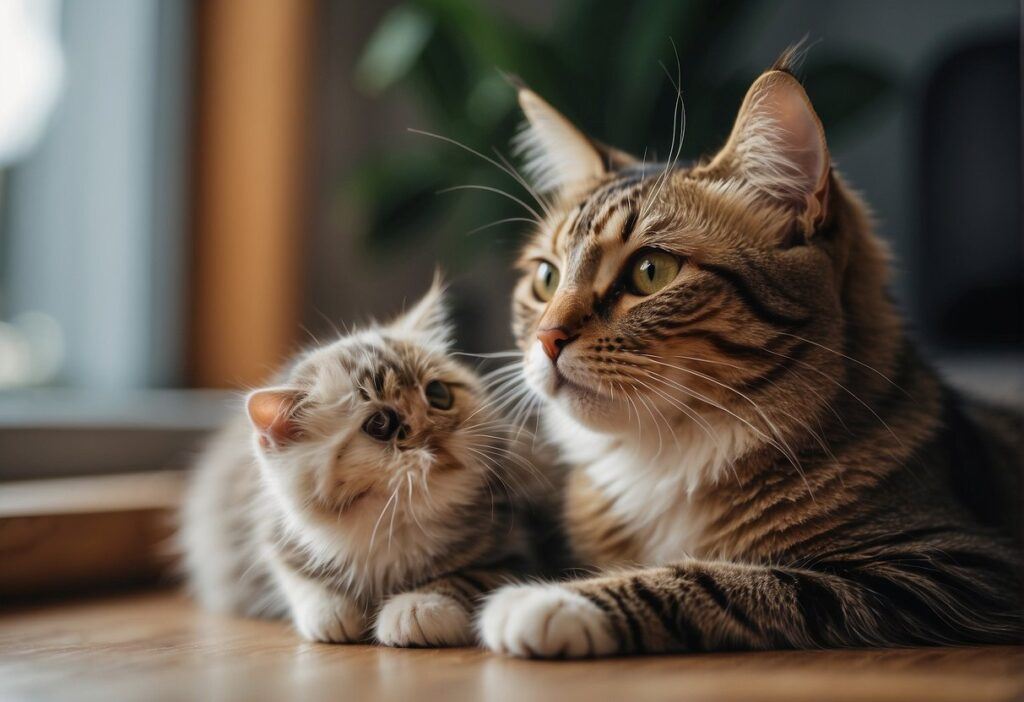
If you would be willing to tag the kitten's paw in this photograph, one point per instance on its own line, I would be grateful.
(423, 619)
(332, 619)
(545, 621)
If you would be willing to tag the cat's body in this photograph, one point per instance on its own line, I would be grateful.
(372, 491)
(760, 457)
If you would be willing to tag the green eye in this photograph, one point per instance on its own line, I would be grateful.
(652, 270)
(438, 394)
(545, 281)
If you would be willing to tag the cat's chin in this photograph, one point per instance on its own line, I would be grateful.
(585, 405)
(342, 505)
(591, 411)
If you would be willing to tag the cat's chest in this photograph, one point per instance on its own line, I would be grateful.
(615, 519)
(625, 505)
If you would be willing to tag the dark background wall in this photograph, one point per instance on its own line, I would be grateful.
(936, 152)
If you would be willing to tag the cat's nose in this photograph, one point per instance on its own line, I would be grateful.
(554, 340)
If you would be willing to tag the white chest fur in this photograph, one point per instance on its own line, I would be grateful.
(653, 485)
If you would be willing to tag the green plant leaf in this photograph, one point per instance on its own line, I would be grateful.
(394, 48)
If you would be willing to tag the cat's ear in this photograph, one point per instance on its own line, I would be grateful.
(557, 155)
(778, 145)
(272, 413)
(428, 319)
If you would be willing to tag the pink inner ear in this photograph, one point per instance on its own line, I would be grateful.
(801, 138)
(271, 414)
(804, 146)
(781, 147)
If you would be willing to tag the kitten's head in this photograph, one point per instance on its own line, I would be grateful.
(654, 293)
(379, 414)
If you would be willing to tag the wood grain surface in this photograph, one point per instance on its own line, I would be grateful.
(158, 646)
(72, 534)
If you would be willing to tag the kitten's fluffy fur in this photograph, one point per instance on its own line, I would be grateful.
(299, 512)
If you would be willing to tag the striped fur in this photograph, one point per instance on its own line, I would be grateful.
(761, 457)
(349, 536)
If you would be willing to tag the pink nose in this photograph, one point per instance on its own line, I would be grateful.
(554, 340)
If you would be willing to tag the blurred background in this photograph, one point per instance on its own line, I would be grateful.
(190, 191)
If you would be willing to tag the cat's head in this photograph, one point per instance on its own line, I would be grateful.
(381, 414)
(653, 293)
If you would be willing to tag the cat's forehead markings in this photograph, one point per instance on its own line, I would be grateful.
(621, 212)
(565, 225)
(613, 250)
(601, 221)
(602, 204)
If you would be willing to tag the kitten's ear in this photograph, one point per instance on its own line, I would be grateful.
(272, 413)
(428, 318)
(558, 155)
(778, 145)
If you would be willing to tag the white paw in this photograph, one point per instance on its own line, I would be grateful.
(545, 621)
(332, 619)
(423, 619)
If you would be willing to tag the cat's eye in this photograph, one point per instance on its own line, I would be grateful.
(438, 394)
(651, 271)
(545, 281)
(382, 424)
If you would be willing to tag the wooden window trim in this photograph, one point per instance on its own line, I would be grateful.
(251, 118)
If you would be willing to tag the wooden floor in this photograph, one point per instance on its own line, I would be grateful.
(158, 646)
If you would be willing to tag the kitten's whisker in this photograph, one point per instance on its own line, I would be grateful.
(500, 381)
(494, 469)
(394, 511)
(519, 461)
(383, 510)
(412, 504)
(509, 400)
(426, 490)
(492, 354)
(521, 412)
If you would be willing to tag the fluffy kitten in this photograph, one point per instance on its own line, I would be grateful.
(370, 477)
(761, 458)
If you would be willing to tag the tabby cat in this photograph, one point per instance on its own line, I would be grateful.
(760, 458)
(366, 490)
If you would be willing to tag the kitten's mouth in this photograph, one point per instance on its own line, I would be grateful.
(350, 502)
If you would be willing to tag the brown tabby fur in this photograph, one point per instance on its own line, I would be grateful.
(884, 513)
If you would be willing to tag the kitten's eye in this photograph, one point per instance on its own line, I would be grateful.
(382, 424)
(652, 270)
(545, 281)
(438, 394)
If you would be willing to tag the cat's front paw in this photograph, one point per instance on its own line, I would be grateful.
(545, 621)
(423, 619)
(333, 619)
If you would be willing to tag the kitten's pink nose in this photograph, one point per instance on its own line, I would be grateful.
(554, 340)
